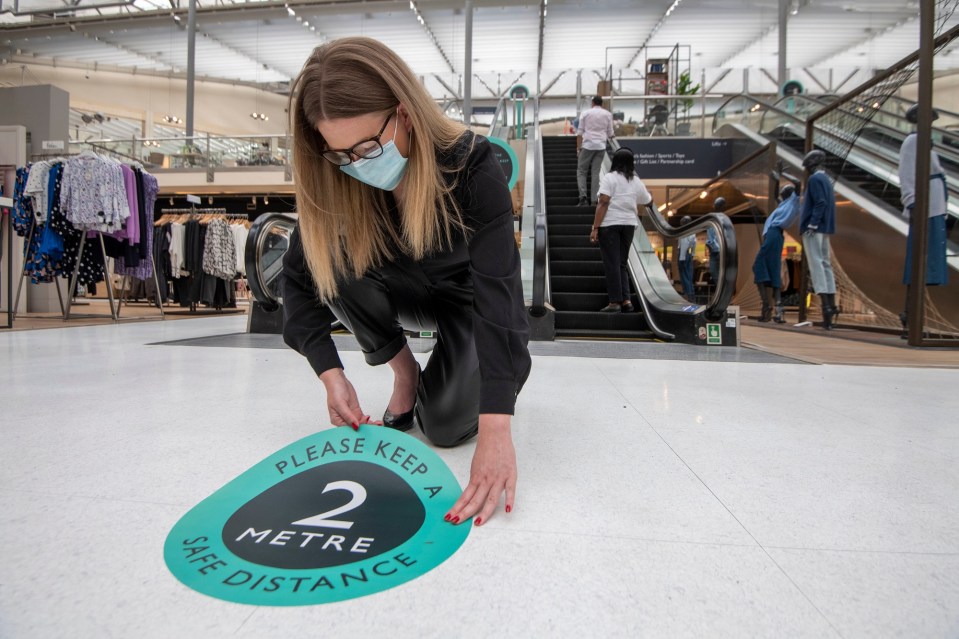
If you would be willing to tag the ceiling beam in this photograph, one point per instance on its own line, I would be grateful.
(768, 31)
(488, 87)
(512, 84)
(809, 73)
(549, 85)
(769, 75)
(869, 37)
(31, 60)
(652, 32)
(423, 23)
(712, 85)
(849, 77)
(452, 91)
(543, 7)
(272, 9)
(248, 56)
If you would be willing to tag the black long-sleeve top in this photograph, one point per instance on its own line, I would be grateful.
(500, 327)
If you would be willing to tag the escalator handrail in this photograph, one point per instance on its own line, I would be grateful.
(946, 112)
(943, 39)
(769, 148)
(860, 146)
(494, 125)
(254, 245)
(942, 149)
(755, 100)
(541, 292)
(729, 258)
(805, 124)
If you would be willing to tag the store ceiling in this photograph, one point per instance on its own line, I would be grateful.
(265, 41)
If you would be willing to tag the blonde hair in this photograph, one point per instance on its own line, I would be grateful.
(344, 223)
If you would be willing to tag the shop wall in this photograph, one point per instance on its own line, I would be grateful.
(218, 108)
(43, 110)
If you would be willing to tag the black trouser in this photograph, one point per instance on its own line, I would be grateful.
(614, 243)
(435, 294)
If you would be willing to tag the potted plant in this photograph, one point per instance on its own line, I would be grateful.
(685, 86)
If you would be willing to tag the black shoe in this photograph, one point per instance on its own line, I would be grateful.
(778, 317)
(402, 422)
(627, 307)
(612, 308)
(582, 202)
(766, 314)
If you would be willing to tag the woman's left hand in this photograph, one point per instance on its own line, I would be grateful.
(492, 472)
(594, 236)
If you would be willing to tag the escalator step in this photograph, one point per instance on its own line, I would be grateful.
(570, 209)
(581, 215)
(576, 230)
(575, 254)
(577, 283)
(582, 268)
(644, 334)
(566, 200)
(579, 301)
(597, 321)
(569, 241)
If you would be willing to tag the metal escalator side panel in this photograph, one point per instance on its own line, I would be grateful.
(266, 244)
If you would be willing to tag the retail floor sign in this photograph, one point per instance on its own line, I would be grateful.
(337, 515)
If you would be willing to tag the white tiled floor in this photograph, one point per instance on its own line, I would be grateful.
(657, 498)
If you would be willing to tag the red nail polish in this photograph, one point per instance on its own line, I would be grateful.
(356, 426)
(478, 521)
(447, 518)
(509, 508)
(456, 520)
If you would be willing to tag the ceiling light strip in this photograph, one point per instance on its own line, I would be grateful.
(419, 17)
(655, 28)
(542, 34)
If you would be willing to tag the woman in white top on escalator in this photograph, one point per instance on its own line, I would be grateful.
(621, 193)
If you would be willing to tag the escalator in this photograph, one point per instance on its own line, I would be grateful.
(568, 282)
(871, 165)
(575, 265)
(266, 245)
(869, 246)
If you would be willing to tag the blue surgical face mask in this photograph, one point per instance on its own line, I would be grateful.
(382, 172)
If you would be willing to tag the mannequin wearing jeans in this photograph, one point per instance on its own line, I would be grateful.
(937, 268)
(687, 264)
(817, 223)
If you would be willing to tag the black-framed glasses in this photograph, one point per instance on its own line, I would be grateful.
(365, 150)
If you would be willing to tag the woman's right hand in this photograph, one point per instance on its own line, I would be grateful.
(341, 400)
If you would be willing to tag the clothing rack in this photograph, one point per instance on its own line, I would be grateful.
(193, 211)
(200, 211)
(115, 305)
(24, 274)
(7, 202)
